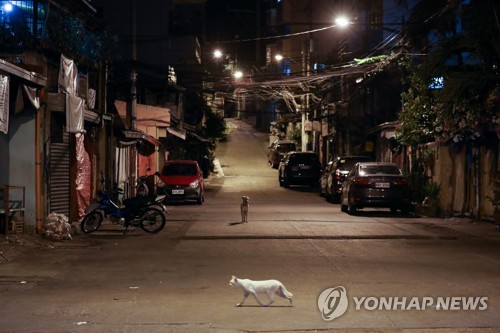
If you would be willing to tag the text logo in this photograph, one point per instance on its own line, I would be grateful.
(333, 302)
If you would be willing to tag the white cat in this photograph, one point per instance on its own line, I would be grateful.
(245, 203)
(270, 287)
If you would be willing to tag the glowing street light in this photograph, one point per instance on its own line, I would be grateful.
(342, 21)
(8, 7)
(217, 54)
(278, 57)
(238, 75)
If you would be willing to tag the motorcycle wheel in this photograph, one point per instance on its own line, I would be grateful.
(153, 221)
(91, 222)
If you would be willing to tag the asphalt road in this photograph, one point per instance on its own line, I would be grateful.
(177, 280)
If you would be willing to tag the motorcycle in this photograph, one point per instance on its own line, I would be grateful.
(144, 212)
(141, 188)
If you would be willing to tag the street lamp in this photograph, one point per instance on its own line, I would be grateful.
(238, 74)
(8, 7)
(217, 54)
(342, 22)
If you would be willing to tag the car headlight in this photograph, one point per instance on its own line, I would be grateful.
(195, 184)
(160, 183)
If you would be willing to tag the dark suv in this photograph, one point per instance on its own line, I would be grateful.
(299, 168)
(336, 173)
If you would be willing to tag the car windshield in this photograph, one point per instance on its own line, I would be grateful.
(285, 147)
(378, 169)
(179, 170)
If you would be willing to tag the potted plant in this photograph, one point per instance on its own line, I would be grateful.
(431, 198)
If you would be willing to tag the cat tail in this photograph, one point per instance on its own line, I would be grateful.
(285, 292)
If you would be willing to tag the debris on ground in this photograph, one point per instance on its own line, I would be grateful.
(57, 227)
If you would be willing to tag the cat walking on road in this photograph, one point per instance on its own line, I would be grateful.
(269, 287)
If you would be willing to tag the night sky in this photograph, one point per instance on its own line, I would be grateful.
(229, 20)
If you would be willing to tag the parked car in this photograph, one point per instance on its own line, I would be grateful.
(278, 149)
(375, 184)
(335, 173)
(323, 180)
(182, 180)
(299, 168)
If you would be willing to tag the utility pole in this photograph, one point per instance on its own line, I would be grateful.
(306, 71)
(133, 73)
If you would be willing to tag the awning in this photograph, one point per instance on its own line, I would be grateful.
(177, 132)
(36, 78)
(140, 135)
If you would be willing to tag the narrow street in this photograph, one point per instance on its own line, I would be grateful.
(177, 280)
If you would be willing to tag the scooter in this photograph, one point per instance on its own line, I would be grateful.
(148, 213)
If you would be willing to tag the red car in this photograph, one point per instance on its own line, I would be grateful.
(182, 180)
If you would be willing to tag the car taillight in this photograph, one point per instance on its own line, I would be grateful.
(400, 182)
(361, 181)
(338, 175)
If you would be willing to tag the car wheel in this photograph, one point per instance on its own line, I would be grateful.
(286, 184)
(394, 210)
(351, 209)
(201, 198)
(343, 208)
(405, 210)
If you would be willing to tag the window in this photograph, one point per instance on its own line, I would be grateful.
(20, 18)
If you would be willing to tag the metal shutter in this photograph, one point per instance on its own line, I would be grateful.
(59, 191)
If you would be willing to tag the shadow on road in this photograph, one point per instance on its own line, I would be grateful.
(384, 214)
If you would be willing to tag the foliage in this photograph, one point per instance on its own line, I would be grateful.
(70, 34)
(215, 125)
(431, 191)
(469, 63)
(418, 116)
(294, 134)
(418, 180)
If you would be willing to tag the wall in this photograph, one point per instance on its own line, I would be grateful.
(458, 175)
(21, 160)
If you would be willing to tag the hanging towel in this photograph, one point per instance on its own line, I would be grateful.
(74, 114)
(68, 75)
(31, 94)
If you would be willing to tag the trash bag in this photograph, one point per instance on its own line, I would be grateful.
(57, 227)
